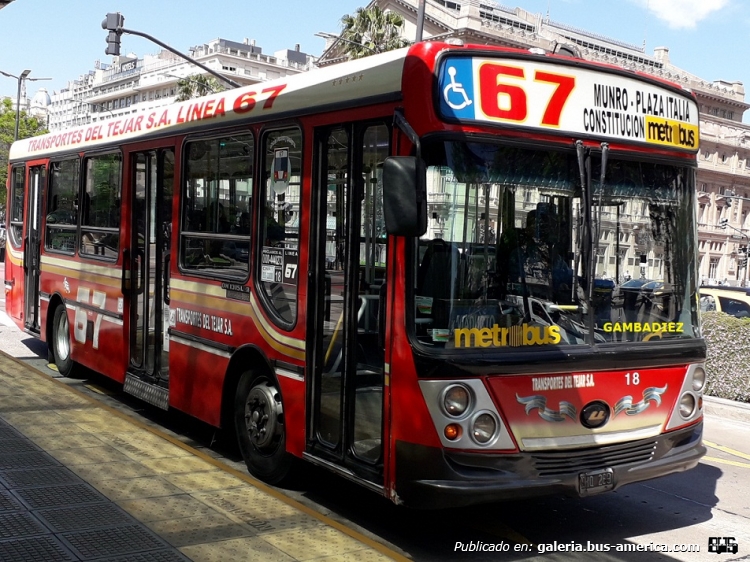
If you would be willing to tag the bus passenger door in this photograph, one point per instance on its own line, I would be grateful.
(32, 248)
(147, 275)
(347, 300)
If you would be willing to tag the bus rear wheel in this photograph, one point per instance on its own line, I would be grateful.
(60, 342)
(259, 424)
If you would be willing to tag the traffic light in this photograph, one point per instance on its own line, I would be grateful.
(723, 223)
(742, 262)
(113, 23)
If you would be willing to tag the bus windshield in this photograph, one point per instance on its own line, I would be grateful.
(528, 247)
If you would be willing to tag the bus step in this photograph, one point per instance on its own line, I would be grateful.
(151, 393)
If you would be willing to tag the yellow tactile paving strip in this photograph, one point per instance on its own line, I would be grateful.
(208, 511)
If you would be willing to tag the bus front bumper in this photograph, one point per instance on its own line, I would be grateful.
(431, 477)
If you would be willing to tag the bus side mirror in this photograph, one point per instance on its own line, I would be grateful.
(404, 196)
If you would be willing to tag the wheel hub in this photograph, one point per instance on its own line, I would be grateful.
(263, 413)
(61, 339)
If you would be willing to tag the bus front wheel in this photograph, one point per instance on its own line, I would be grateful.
(259, 424)
(60, 343)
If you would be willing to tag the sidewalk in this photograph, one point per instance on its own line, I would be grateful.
(727, 409)
(81, 481)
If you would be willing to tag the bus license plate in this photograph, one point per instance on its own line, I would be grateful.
(596, 481)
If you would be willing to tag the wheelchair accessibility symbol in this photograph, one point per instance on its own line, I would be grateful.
(454, 93)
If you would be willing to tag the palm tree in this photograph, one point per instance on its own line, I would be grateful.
(370, 31)
(197, 85)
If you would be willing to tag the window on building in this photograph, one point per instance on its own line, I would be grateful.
(216, 208)
(100, 206)
(713, 268)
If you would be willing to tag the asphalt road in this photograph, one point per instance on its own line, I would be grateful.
(712, 500)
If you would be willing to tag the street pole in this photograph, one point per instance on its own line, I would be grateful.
(420, 21)
(21, 78)
(24, 76)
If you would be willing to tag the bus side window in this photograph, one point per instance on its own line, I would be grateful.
(277, 272)
(100, 211)
(217, 193)
(62, 212)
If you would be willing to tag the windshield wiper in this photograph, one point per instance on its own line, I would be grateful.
(587, 239)
(583, 239)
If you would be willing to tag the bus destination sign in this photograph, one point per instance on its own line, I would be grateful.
(572, 100)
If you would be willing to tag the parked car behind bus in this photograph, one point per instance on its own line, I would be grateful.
(730, 300)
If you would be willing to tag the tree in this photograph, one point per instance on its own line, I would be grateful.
(197, 85)
(370, 31)
(27, 127)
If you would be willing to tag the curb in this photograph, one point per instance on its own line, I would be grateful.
(727, 409)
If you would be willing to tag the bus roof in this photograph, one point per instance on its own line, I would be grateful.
(595, 108)
(357, 82)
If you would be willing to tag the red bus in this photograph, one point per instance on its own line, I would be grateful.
(450, 273)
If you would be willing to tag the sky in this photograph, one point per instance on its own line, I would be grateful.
(61, 39)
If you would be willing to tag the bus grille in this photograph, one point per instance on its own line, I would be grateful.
(565, 462)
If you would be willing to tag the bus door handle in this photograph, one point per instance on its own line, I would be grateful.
(26, 252)
(125, 287)
(140, 266)
(382, 292)
(165, 287)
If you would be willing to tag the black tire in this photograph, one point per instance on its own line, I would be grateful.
(259, 425)
(60, 343)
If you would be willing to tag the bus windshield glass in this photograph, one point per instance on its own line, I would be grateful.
(528, 247)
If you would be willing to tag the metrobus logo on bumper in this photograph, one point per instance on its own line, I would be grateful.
(498, 336)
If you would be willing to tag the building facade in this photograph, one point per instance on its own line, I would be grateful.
(723, 179)
(130, 83)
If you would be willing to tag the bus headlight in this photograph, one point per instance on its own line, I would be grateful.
(699, 379)
(456, 400)
(687, 405)
(483, 428)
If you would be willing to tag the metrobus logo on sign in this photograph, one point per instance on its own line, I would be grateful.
(565, 99)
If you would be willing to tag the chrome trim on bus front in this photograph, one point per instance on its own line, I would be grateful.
(433, 392)
(676, 420)
(591, 440)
